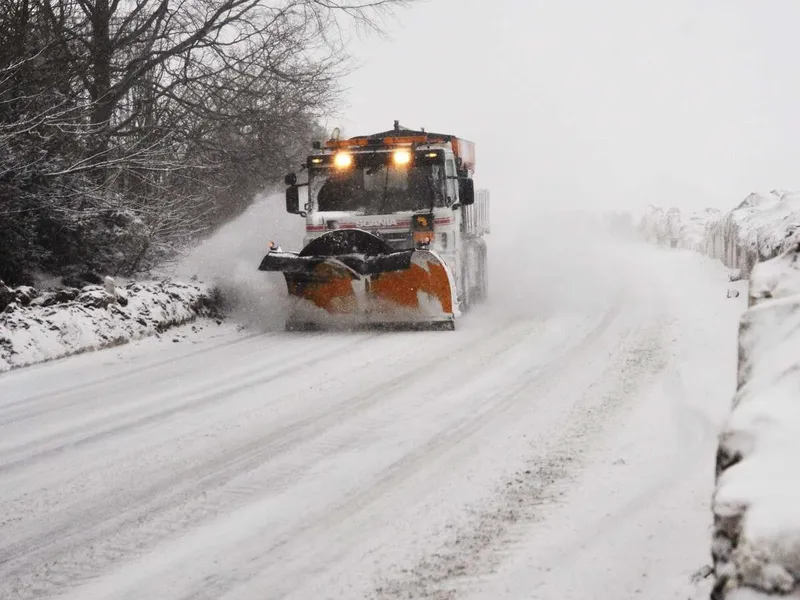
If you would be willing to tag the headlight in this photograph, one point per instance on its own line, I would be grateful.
(401, 157)
(343, 160)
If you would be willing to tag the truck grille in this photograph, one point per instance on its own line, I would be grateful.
(399, 240)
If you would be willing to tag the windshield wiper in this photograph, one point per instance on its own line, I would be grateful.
(432, 189)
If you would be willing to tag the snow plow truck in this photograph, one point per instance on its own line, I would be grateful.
(394, 233)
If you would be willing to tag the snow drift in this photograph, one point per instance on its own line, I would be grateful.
(756, 546)
(38, 326)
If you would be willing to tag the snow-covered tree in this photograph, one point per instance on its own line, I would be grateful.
(128, 127)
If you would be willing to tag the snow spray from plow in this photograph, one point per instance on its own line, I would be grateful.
(351, 277)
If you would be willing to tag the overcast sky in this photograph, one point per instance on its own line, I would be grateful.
(608, 103)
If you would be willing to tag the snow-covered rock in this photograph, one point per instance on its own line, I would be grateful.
(756, 545)
(22, 295)
(35, 327)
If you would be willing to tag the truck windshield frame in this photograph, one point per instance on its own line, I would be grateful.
(374, 185)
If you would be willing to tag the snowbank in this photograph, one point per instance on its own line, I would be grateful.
(41, 325)
(38, 326)
(756, 546)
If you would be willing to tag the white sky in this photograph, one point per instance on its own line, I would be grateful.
(605, 103)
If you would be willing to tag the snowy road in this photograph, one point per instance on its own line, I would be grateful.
(559, 451)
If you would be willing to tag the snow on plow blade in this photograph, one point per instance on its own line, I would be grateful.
(351, 277)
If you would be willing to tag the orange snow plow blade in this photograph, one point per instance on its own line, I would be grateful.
(351, 277)
(425, 283)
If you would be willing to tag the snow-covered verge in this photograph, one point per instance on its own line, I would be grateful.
(756, 545)
(756, 542)
(36, 326)
(763, 226)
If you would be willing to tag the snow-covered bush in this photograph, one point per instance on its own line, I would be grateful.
(756, 546)
(694, 228)
(38, 326)
(673, 228)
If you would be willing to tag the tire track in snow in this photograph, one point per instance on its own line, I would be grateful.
(270, 566)
(197, 399)
(136, 515)
(157, 489)
(29, 401)
(697, 429)
(476, 546)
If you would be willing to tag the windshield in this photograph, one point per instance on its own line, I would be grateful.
(376, 186)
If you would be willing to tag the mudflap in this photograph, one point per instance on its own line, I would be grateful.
(354, 279)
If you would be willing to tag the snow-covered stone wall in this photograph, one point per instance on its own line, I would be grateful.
(41, 325)
(761, 227)
(756, 504)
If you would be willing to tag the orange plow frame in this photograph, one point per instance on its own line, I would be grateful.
(353, 287)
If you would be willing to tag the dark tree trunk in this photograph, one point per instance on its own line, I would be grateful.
(100, 90)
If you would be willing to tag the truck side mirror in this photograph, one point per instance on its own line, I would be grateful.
(467, 191)
(290, 179)
(293, 200)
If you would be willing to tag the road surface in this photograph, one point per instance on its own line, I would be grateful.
(558, 445)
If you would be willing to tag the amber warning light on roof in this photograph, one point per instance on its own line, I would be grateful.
(463, 149)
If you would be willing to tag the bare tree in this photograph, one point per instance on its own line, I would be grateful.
(187, 43)
(141, 122)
